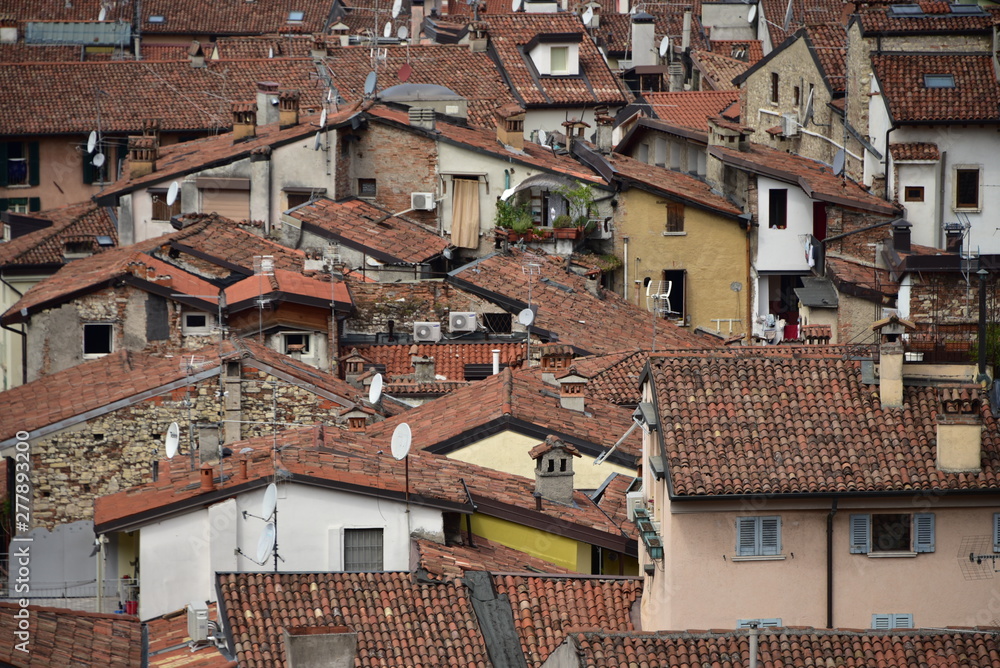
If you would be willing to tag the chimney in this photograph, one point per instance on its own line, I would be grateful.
(571, 387)
(267, 102)
(954, 234)
(623, 6)
(959, 430)
(244, 468)
(890, 369)
(510, 126)
(288, 109)
(8, 30)
(207, 482)
(357, 419)
(422, 117)
(643, 34)
(423, 368)
(244, 121)
(478, 37)
(320, 646)
(196, 55)
(554, 470)
(605, 127)
(901, 236)
(573, 128)
(318, 47)
(353, 365)
(142, 153)
(496, 361)
(554, 358)
(416, 20)
(686, 31)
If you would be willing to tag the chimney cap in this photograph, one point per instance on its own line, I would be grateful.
(643, 17)
(551, 443)
(893, 322)
(901, 224)
(267, 86)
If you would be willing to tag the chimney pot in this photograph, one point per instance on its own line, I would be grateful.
(207, 482)
(510, 126)
(142, 154)
(901, 236)
(288, 108)
(244, 466)
(244, 120)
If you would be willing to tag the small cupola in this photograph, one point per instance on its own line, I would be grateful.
(356, 419)
(353, 365)
(554, 469)
(572, 388)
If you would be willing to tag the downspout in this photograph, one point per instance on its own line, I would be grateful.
(942, 175)
(885, 165)
(829, 564)
(625, 265)
(751, 285)
(23, 334)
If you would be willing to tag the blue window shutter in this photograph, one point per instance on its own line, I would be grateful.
(923, 532)
(902, 621)
(996, 532)
(33, 179)
(881, 622)
(774, 622)
(860, 534)
(770, 535)
(34, 204)
(746, 536)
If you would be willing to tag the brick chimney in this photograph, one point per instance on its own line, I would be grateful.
(890, 372)
(288, 108)
(554, 470)
(510, 126)
(320, 646)
(267, 103)
(554, 358)
(142, 154)
(356, 418)
(244, 121)
(207, 482)
(423, 368)
(571, 390)
(959, 430)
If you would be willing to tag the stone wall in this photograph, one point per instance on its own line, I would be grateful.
(405, 303)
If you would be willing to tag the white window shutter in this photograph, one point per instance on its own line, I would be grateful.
(860, 534)
(770, 535)
(923, 532)
(902, 621)
(996, 532)
(881, 622)
(746, 536)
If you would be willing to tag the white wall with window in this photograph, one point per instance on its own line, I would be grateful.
(197, 323)
(556, 59)
(785, 213)
(306, 345)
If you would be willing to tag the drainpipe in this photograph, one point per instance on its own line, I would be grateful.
(942, 177)
(829, 564)
(625, 265)
(496, 361)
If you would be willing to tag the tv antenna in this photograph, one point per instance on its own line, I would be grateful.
(658, 302)
(527, 316)
(402, 438)
(267, 544)
(977, 559)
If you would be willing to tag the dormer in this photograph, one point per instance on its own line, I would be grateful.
(555, 54)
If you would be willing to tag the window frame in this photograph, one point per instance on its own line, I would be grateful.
(754, 526)
(362, 182)
(773, 208)
(345, 548)
(913, 193)
(307, 338)
(30, 157)
(959, 170)
(922, 528)
(887, 621)
(111, 340)
(674, 224)
(775, 87)
(677, 292)
(563, 49)
(202, 330)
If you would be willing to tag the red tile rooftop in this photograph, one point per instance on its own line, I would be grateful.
(449, 358)
(974, 95)
(450, 562)
(717, 70)
(287, 283)
(169, 643)
(673, 183)
(77, 223)
(690, 109)
(935, 17)
(915, 151)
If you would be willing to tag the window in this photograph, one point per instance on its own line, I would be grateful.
(939, 81)
(19, 163)
(362, 550)
(774, 88)
(297, 199)
(498, 323)
(758, 536)
(913, 193)
(367, 188)
(97, 339)
(194, 323)
(675, 218)
(889, 533)
(295, 343)
(559, 59)
(888, 621)
(674, 284)
(774, 622)
(157, 18)
(777, 212)
(20, 204)
(161, 210)
(967, 189)
(296, 17)
(796, 95)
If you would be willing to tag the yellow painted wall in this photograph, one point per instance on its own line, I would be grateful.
(508, 452)
(128, 549)
(10, 343)
(712, 250)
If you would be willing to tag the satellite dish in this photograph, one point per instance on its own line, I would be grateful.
(322, 119)
(266, 542)
(98, 160)
(173, 439)
(664, 46)
(542, 137)
(92, 141)
(401, 438)
(270, 501)
(318, 144)
(370, 82)
(526, 317)
(387, 30)
(838, 162)
(405, 71)
(172, 193)
(515, 6)
(375, 391)
(588, 16)
(752, 14)
(103, 14)
(403, 32)
(397, 5)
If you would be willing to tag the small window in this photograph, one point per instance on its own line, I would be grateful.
(296, 199)
(913, 193)
(195, 323)
(157, 18)
(16, 205)
(796, 95)
(777, 215)
(967, 189)
(97, 339)
(888, 621)
(888, 533)
(552, 466)
(498, 323)
(295, 343)
(562, 465)
(674, 283)
(758, 536)
(774, 622)
(367, 188)
(559, 59)
(296, 17)
(162, 211)
(939, 81)
(362, 550)
(18, 163)
(774, 87)
(675, 218)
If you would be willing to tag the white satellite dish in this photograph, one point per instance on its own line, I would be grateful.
(370, 82)
(664, 46)
(526, 317)
(92, 141)
(103, 14)
(98, 160)
(542, 137)
(838, 162)
(397, 5)
(588, 16)
(318, 144)
(375, 391)
(173, 439)
(172, 193)
(266, 542)
(515, 6)
(322, 119)
(270, 501)
(401, 438)
(387, 30)
(752, 14)
(403, 32)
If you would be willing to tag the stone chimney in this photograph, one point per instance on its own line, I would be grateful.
(288, 108)
(421, 117)
(353, 365)
(605, 128)
(423, 368)
(554, 470)
(478, 37)
(890, 371)
(244, 121)
(643, 36)
(571, 390)
(574, 129)
(268, 100)
(142, 154)
(959, 430)
(196, 55)
(510, 126)
(320, 646)
(207, 479)
(8, 30)
(901, 236)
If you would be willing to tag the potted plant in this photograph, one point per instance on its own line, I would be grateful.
(580, 199)
(564, 227)
(514, 219)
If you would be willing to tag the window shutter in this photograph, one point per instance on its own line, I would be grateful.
(34, 204)
(902, 621)
(4, 203)
(996, 532)
(881, 622)
(33, 179)
(3, 164)
(860, 535)
(746, 536)
(923, 532)
(770, 535)
(88, 168)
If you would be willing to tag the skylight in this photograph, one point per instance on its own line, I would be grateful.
(104, 241)
(905, 10)
(157, 18)
(939, 80)
(296, 17)
(968, 10)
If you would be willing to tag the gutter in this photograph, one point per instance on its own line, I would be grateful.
(793, 496)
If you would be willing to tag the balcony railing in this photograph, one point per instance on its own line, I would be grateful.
(118, 595)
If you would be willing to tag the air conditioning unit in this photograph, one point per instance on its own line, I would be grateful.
(422, 201)
(633, 500)
(426, 332)
(790, 124)
(462, 322)
(197, 618)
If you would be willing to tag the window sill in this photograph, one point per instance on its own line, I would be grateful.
(19, 186)
(891, 555)
(94, 356)
(769, 557)
(964, 209)
(674, 234)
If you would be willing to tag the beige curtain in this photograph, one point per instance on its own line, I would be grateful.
(465, 213)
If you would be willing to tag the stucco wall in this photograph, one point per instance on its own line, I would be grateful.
(11, 369)
(781, 249)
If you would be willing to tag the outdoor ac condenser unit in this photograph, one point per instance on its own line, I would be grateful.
(422, 201)
(462, 322)
(426, 332)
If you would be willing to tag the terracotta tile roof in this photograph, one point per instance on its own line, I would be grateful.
(614, 377)
(717, 70)
(788, 647)
(546, 608)
(570, 313)
(398, 621)
(975, 96)
(283, 283)
(614, 34)
(800, 420)
(40, 53)
(936, 17)
(690, 109)
(55, 98)
(828, 43)
(77, 223)
(846, 270)
(71, 638)
(84, 10)
(449, 358)
(510, 33)
(672, 183)
(753, 49)
(169, 643)
(669, 20)
(915, 151)
(171, 51)
(815, 178)
(552, 443)
(248, 48)
(611, 496)
(222, 239)
(230, 17)
(362, 225)
(804, 13)
(450, 562)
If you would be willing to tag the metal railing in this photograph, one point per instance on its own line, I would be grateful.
(117, 595)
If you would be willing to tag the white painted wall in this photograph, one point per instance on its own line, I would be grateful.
(777, 249)
(921, 214)
(540, 56)
(878, 124)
